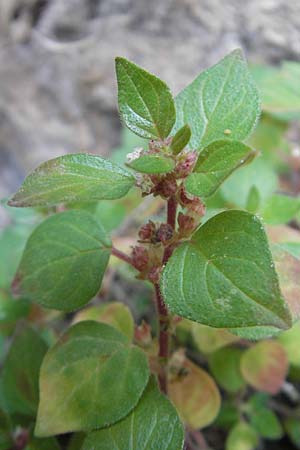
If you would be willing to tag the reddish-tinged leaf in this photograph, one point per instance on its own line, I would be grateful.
(195, 395)
(265, 366)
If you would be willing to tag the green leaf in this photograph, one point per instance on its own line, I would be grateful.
(264, 366)
(225, 367)
(115, 314)
(181, 139)
(64, 261)
(222, 101)
(152, 163)
(77, 177)
(20, 374)
(259, 174)
(253, 200)
(208, 339)
(195, 395)
(145, 102)
(288, 269)
(153, 424)
(280, 209)
(225, 277)
(292, 427)
(90, 379)
(215, 163)
(228, 416)
(280, 90)
(290, 341)
(242, 437)
(43, 444)
(266, 423)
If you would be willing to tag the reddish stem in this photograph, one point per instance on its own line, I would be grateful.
(162, 311)
(163, 352)
(122, 256)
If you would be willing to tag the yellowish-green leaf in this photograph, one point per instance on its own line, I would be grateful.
(195, 395)
(209, 339)
(264, 366)
(225, 367)
(242, 437)
(115, 314)
(90, 379)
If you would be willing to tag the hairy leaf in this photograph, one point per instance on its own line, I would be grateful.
(222, 101)
(145, 102)
(264, 366)
(90, 379)
(153, 163)
(77, 177)
(153, 424)
(225, 277)
(64, 261)
(215, 163)
(181, 139)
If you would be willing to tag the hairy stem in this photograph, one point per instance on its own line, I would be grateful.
(163, 316)
(122, 256)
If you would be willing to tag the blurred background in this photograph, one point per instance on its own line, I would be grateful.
(57, 82)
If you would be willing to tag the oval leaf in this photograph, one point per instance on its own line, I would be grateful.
(70, 178)
(20, 373)
(152, 163)
(224, 277)
(265, 366)
(181, 139)
(222, 100)
(196, 396)
(145, 102)
(215, 163)
(290, 341)
(90, 379)
(153, 424)
(242, 437)
(208, 339)
(225, 367)
(64, 261)
(115, 314)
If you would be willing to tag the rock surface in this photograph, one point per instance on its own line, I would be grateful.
(57, 83)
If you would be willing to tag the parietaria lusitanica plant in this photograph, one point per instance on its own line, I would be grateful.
(217, 271)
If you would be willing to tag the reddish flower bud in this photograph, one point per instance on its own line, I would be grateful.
(154, 274)
(140, 257)
(166, 188)
(186, 224)
(142, 334)
(186, 164)
(147, 231)
(164, 233)
(191, 202)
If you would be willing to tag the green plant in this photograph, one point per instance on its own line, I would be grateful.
(214, 279)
